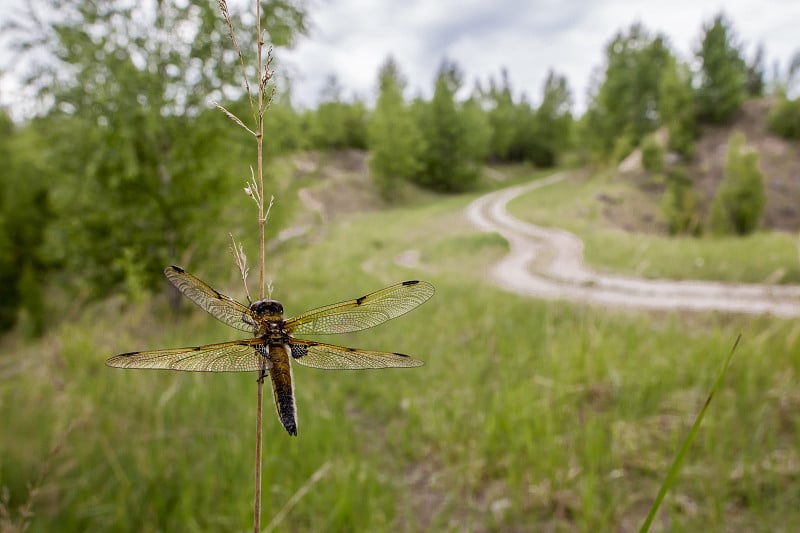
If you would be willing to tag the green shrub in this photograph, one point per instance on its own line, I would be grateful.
(682, 137)
(652, 155)
(679, 204)
(784, 118)
(739, 202)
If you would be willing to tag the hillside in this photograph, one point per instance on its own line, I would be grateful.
(779, 160)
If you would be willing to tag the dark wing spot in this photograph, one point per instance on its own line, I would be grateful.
(179, 269)
(298, 351)
(360, 300)
(412, 282)
(128, 354)
(401, 354)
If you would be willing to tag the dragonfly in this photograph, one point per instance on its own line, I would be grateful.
(274, 347)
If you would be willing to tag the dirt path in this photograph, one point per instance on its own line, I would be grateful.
(548, 263)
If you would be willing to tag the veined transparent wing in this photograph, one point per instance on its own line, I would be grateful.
(234, 356)
(221, 307)
(331, 357)
(364, 312)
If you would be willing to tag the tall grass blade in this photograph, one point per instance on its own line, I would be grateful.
(676, 464)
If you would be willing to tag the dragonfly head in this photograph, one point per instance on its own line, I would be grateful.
(267, 308)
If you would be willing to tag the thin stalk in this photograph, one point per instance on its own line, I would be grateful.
(261, 259)
(672, 473)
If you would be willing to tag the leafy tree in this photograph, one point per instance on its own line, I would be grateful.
(283, 130)
(722, 78)
(337, 124)
(739, 202)
(24, 218)
(553, 119)
(676, 108)
(755, 73)
(448, 164)
(394, 137)
(625, 101)
(328, 129)
(502, 118)
(355, 121)
(142, 155)
(526, 145)
(479, 130)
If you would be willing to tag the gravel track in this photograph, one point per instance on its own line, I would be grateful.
(548, 263)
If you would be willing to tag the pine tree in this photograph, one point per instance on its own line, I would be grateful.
(723, 73)
(394, 139)
(448, 163)
(739, 202)
(502, 118)
(676, 108)
(624, 105)
(554, 119)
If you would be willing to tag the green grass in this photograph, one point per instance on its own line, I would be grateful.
(528, 415)
(574, 205)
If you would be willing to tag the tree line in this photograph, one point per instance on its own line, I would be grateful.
(127, 164)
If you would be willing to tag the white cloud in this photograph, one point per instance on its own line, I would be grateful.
(351, 38)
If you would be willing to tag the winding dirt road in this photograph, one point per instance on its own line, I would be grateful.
(548, 263)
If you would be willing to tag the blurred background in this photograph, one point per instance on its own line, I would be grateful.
(676, 128)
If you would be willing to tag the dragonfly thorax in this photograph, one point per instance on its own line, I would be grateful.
(267, 308)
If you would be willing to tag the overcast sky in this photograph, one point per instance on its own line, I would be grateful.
(351, 38)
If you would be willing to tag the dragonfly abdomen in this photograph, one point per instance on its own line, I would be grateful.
(280, 373)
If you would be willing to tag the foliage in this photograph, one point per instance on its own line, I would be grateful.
(676, 108)
(503, 119)
(536, 135)
(337, 124)
(393, 134)
(283, 129)
(722, 77)
(784, 117)
(625, 100)
(755, 70)
(554, 120)
(24, 217)
(652, 154)
(680, 204)
(141, 157)
(452, 155)
(739, 201)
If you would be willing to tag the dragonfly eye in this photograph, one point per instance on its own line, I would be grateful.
(267, 307)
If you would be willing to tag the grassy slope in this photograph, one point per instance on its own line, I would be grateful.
(576, 205)
(528, 414)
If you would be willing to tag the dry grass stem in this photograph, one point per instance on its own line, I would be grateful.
(252, 190)
(297, 496)
(241, 261)
(226, 15)
(269, 208)
(234, 118)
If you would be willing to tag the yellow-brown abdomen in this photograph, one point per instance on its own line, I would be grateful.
(280, 374)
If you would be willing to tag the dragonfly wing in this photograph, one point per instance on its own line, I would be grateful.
(364, 312)
(331, 357)
(234, 356)
(221, 307)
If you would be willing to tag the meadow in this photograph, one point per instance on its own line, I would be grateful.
(528, 415)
